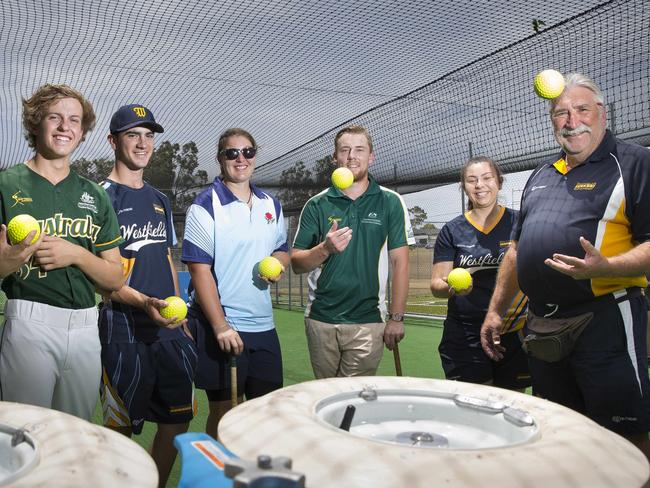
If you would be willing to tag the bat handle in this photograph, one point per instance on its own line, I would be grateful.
(398, 361)
(233, 380)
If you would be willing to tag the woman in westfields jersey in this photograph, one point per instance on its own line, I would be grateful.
(477, 242)
(229, 229)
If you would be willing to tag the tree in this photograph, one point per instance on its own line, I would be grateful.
(429, 229)
(299, 183)
(173, 170)
(296, 186)
(323, 171)
(418, 216)
(95, 169)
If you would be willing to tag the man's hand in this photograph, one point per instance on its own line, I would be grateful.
(229, 341)
(393, 333)
(490, 336)
(13, 257)
(55, 253)
(153, 305)
(337, 239)
(593, 265)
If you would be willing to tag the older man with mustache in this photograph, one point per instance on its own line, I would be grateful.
(580, 252)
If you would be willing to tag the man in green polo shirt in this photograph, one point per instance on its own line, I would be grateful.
(345, 240)
(50, 349)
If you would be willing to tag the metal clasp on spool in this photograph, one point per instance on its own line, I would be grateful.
(368, 394)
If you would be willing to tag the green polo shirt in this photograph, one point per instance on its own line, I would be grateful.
(75, 209)
(350, 287)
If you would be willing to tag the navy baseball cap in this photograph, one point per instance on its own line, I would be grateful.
(133, 115)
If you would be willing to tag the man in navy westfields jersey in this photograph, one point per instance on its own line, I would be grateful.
(148, 361)
(50, 351)
(580, 251)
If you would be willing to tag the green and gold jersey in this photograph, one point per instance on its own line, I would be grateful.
(350, 287)
(75, 209)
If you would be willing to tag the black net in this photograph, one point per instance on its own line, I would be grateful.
(489, 107)
(293, 72)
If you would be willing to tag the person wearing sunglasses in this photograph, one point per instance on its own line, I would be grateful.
(230, 228)
(477, 241)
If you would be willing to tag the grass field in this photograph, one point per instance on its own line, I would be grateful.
(418, 352)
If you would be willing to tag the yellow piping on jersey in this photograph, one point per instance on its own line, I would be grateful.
(515, 318)
(616, 239)
(109, 242)
(561, 166)
(127, 266)
(486, 230)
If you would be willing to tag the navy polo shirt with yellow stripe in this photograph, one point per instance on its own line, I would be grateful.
(479, 250)
(75, 209)
(605, 200)
(350, 287)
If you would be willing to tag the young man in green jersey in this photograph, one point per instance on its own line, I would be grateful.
(345, 240)
(50, 350)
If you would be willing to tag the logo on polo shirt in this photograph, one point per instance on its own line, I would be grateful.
(585, 186)
(20, 200)
(371, 219)
(269, 217)
(87, 201)
(331, 219)
(619, 419)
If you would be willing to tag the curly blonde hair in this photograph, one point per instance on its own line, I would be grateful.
(34, 109)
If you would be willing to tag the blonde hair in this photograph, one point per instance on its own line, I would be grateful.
(353, 129)
(34, 109)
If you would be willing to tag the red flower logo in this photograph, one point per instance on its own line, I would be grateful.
(269, 217)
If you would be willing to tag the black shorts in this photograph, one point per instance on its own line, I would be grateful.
(606, 375)
(259, 366)
(463, 358)
(148, 382)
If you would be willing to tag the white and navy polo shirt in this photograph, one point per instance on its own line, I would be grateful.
(606, 200)
(221, 230)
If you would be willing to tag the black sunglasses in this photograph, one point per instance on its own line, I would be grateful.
(233, 153)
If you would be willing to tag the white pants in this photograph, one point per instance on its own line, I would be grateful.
(50, 357)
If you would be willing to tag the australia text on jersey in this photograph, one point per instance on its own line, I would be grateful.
(61, 226)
